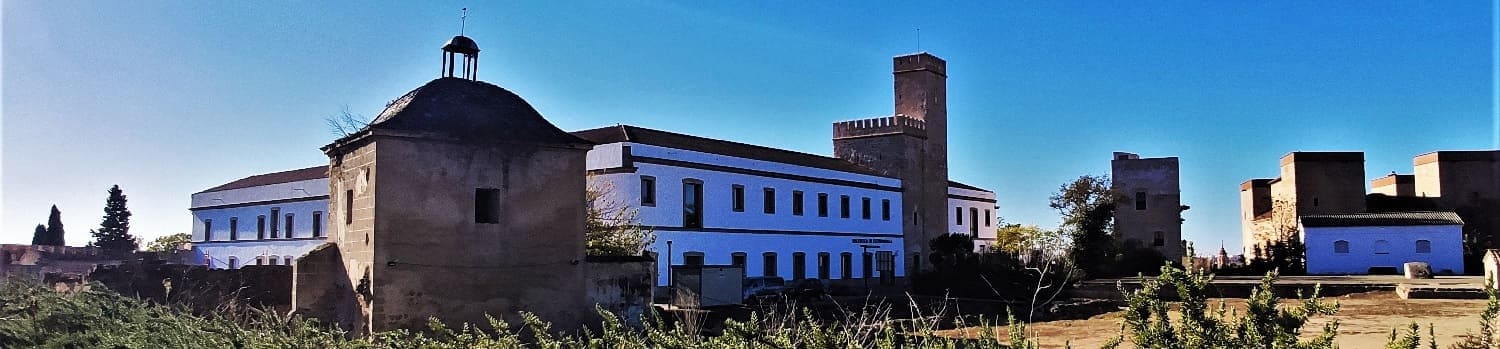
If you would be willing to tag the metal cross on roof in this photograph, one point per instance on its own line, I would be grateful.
(463, 21)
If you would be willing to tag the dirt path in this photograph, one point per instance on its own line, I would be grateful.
(1364, 321)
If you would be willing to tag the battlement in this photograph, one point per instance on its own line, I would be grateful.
(920, 61)
(880, 126)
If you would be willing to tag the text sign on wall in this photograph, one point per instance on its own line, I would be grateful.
(872, 241)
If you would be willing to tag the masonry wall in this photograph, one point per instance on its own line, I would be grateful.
(621, 285)
(352, 224)
(1157, 179)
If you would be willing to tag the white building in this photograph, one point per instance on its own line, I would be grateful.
(972, 210)
(263, 219)
(1355, 243)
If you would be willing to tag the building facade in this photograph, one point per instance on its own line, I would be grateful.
(268, 219)
(1364, 242)
(1149, 206)
(1311, 183)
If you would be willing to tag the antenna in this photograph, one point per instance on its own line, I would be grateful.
(463, 21)
(919, 39)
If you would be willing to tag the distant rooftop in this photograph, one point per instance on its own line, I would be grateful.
(627, 133)
(315, 172)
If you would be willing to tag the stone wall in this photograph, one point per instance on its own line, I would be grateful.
(621, 285)
(202, 289)
(321, 288)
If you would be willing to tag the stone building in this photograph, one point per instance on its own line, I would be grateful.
(1149, 206)
(1311, 183)
(1466, 182)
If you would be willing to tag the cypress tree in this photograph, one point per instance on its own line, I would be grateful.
(114, 233)
(55, 228)
(40, 237)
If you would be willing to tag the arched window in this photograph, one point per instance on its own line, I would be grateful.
(1341, 246)
(1424, 246)
(1382, 247)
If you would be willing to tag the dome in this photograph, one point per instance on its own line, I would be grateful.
(461, 44)
(471, 111)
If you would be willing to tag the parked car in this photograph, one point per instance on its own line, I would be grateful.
(763, 287)
(807, 289)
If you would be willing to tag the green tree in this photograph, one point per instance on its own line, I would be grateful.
(40, 237)
(613, 228)
(1087, 208)
(55, 231)
(169, 243)
(114, 233)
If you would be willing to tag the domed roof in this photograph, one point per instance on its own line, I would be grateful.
(472, 111)
(461, 44)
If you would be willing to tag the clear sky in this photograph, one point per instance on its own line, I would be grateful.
(170, 98)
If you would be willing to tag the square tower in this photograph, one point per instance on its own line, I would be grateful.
(1466, 182)
(1149, 207)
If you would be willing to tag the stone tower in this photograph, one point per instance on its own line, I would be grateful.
(457, 201)
(1149, 212)
(911, 145)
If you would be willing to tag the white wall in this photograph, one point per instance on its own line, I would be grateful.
(300, 199)
(986, 227)
(718, 248)
(1447, 248)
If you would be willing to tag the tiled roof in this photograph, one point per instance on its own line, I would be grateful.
(966, 186)
(472, 111)
(1383, 219)
(633, 134)
(309, 173)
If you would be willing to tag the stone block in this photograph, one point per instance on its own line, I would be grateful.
(1418, 270)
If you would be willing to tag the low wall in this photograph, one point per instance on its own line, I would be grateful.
(204, 290)
(622, 285)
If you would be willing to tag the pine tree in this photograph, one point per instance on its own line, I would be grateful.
(55, 231)
(114, 233)
(40, 237)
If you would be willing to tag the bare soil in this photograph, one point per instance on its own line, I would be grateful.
(1365, 320)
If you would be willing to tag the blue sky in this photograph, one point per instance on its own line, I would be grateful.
(169, 98)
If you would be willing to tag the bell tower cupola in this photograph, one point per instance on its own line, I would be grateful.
(464, 46)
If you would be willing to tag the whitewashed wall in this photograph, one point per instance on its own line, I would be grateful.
(970, 223)
(300, 199)
(1447, 248)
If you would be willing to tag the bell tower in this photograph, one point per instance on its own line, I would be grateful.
(461, 45)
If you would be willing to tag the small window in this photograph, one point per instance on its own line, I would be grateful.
(234, 263)
(823, 267)
(769, 200)
(260, 227)
(692, 258)
(317, 224)
(822, 204)
(208, 230)
(287, 260)
(348, 207)
(796, 202)
(692, 203)
(885, 209)
(1424, 246)
(1382, 247)
(958, 216)
(737, 194)
(486, 205)
(275, 260)
(1315, 201)
(234, 228)
(290, 227)
(846, 265)
(1341, 247)
(1159, 238)
(260, 260)
(974, 221)
(769, 263)
(864, 205)
(275, 217)
(799, 266)
(1140, 200)
(986, 217)
(737, 259)
(648, 191)
(843, 206)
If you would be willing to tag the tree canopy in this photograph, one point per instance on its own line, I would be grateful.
(114, 233)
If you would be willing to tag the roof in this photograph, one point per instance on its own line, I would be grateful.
(633, 134)
(966, 186)
(470, 110)
(310, 173)
(1383, 219)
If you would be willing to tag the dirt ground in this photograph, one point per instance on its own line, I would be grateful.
(1365, 320)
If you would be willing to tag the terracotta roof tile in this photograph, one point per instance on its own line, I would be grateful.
(309, 173)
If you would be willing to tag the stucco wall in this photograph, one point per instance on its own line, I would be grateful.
(621, 285)
(1447, 248)
(979, 215)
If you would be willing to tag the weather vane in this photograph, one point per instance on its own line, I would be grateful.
(463, 21)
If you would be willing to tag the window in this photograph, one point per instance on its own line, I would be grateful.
(274, 260)
(796, 202)
(260, 227)
(846, 265)
(864, 204)
(823, 259)
(1315, 201)
(289, 226)
(1341, 246)
(737, 259)
(885, 209)
(974, 222)
(348, 207)
(822, 204)
(692, 203)
(692, 258)
(799, 266)
(958, 216)
(1140, 200)
(260, 260)
(234, 263)
(317, 224)
(1159, 239)
(1424, 246)
(737, 194)
(234, 228)
(275, 216)
(769, 263)
(769, 200)
(869, 264)
(843, 206)
(208, 230)
(486, 205)
(648, 191)
(1382, 247)
(986, 217)
(287, 260)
